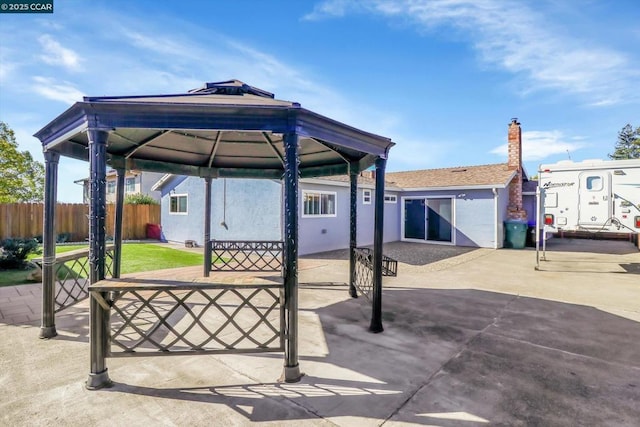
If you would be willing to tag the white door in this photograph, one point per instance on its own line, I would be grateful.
(594, 199)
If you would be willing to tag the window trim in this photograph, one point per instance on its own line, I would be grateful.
(126, 191)
(389, 195)
(186, 196)
(111, 187)
(366, 192)
(590, 180)
(320, 192)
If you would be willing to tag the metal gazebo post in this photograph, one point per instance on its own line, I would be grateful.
(48, 321)
(291, 371)
(376, 315)
(99, 316)
(353, 227)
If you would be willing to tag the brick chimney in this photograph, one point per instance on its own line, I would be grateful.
(514, 208)
(371, 174)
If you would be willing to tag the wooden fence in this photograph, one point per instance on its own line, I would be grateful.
(72, 220)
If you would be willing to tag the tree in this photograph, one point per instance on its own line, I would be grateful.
(628, 145)
(21, 177)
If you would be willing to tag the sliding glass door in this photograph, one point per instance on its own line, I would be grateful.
(428, 219)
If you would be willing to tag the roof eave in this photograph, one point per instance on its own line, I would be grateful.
(329, 182)
(315, 125)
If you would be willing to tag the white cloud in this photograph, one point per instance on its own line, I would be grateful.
(539, 145)
(56, 54)
(155, 43)
(26, 141)
(64, 92)
(328, 8)
(6, 68)
(412, 154)
(517, 39)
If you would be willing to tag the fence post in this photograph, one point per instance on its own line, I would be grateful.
(48, 321)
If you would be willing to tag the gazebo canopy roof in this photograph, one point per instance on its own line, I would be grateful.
(224, 129)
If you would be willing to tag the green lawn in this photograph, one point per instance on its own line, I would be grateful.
(135, 257)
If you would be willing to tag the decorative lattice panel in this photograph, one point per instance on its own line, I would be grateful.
(190, 319)
(364, 270)
(363, 279)
(229, 255)
(72, 277)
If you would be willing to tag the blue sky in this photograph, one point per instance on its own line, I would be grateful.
(441, 78)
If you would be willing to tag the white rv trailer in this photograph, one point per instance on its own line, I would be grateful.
(592, 195)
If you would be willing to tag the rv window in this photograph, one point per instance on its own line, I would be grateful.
(594, 183)
(551, 200)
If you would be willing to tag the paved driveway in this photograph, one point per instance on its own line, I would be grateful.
(478, 339)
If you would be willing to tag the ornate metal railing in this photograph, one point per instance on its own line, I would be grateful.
(192, 318)
(71, 270)
(231, 255)
(363, 280)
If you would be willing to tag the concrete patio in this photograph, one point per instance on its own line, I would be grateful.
(480, 338)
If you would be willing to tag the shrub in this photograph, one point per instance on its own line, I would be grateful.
(139, 199)
(14, 252)
(63, 237)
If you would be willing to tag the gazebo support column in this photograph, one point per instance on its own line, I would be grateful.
(291, 371)
(99, 316)
(117, 225)
(207, 226)
(353, 227)
(48, 321)
(378, 236)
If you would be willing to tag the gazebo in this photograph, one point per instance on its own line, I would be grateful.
(224, 129)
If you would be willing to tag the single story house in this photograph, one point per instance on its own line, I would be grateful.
(135, 182)
(250, 209)
(464, 206)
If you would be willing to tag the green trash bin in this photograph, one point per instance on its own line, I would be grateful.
(515, 234)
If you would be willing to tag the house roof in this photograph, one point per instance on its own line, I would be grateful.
(224, 129)
(482, 176)
(111, 173)
(363, 181)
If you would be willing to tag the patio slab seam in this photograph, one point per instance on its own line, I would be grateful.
(463, 347)
(566, 352)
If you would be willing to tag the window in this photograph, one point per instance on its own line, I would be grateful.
(390, 198)
(366, 197)
(550, 200)
(178, 204)
(130, 185)
(318, 203)
(111, 187)
(594, 183)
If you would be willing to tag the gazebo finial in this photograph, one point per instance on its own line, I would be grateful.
(231, 87)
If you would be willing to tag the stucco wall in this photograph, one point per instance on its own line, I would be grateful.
(474, 215)
(251, 210)
(475, 219)
(529, 204)
(503, 202)
(328, 233)
(178, 228)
